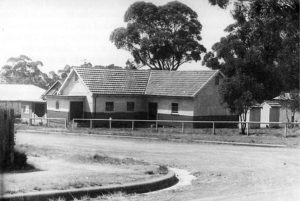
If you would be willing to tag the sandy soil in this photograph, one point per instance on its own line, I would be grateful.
(60, 168)
(222, 172)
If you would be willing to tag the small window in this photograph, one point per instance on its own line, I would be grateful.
(174, 107)
(130, 106)
(57, 105)
(217, 80)
(26, 109)
(109, 106)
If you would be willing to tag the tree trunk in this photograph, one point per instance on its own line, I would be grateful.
(243, 125)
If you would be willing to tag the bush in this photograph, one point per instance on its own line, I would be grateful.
(20, 159)
(19, 162)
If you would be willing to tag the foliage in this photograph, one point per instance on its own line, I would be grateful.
(290, 101)
(264, 41)
(22, 70)
(263, 44)
(240, 92)
(160, 37)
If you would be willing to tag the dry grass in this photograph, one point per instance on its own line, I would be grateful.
(262, 136)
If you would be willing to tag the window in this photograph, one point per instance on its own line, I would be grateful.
(26, 109)
(217, 80)
(57, 105)
(174, 107)
(109, 106)
(130, 106)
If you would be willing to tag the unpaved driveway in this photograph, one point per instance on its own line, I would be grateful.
(223, 172)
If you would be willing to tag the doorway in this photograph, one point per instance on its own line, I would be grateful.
(76, 110)
(152, 111)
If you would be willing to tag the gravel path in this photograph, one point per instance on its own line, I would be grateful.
(222, 172)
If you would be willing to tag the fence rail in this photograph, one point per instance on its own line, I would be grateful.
(42, 121)
(213, 124)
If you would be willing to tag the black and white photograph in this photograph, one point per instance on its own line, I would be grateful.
(149, 100)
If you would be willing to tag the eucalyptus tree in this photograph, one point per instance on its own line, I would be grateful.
(160, 37)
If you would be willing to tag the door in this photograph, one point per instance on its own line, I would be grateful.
(76, 110)
(152, 111)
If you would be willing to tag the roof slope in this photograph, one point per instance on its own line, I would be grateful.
(107, 81)
(20, 92)
(53, 89)
(143, 82)
(177, 83)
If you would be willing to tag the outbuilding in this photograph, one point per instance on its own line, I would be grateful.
(26, 100)
(270, 113)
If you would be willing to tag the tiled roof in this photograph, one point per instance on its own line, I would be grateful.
(21, 92)
(106, 81)
(142, 82)
(177, 83)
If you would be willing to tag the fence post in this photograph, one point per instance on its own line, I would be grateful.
(110, 122)
(73, 123)
(156, 125)
(285, 129)
(91, 123)
(213, 129)
(247, 125)
(182, 127)
(65, 123)
(132, 125)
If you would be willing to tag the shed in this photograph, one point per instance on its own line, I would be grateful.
(26, 100)
(270, 113)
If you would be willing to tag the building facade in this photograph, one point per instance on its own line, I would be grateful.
(131, 94)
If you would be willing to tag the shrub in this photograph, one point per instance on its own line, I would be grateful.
(20, 159)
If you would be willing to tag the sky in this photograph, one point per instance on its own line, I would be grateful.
(71, 32)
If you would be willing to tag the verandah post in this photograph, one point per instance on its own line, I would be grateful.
(156, 125)
(213, 128)
(91, 123)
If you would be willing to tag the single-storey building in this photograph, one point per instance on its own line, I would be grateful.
(26, 100)
(138, 94)
(270, 113)
(254, 115)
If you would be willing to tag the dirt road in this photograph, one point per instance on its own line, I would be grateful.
(223, 172)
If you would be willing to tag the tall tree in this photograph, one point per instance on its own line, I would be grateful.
(263, 44)
(160, 37)
(23, 70)
(265, 37)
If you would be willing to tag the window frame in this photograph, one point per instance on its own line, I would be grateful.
(57, 105)
(174, 105)
(130, 108)
(109, 108)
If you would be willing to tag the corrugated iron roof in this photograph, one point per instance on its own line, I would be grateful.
(53, 89)
(144, 82)
(21, 92)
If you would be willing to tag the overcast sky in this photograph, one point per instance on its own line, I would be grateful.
(60, 32)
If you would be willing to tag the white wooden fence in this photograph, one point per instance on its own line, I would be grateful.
(183, 123)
